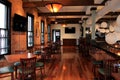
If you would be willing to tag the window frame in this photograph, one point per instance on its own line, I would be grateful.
(49, 32)
(7, 27)
(42, 32)
(32, 30)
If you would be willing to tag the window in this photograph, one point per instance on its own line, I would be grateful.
(49, 33)
(4, 27)
(42, 32)
(30, 31)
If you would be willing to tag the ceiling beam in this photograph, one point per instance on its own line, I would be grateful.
(104, 1)
(64, 14)
(67, 20)
(76, 20)
(113, 13)
(74, 14)
(63, 2)
(111, 7)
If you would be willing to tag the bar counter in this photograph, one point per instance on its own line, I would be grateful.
(107, 48)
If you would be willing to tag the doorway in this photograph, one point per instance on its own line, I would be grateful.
(56, 35)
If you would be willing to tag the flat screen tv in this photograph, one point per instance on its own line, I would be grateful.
(70, 30)
(19, 23)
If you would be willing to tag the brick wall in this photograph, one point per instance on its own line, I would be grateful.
(18, 39)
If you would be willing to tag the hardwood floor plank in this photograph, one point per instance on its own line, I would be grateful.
(69, 65)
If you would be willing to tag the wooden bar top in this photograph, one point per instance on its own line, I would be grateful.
(105, 47)
(101, 56)
(116, 76)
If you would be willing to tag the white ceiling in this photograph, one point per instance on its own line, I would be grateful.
(101, 9)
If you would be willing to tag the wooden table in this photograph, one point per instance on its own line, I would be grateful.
(16, 57)
(11, 59)
(116, 76)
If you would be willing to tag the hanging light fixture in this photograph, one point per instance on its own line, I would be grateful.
(53, 7)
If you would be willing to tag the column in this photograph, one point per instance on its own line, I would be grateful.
(84, 28)
(93, 11)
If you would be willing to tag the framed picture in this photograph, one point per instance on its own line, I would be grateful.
(37, 29)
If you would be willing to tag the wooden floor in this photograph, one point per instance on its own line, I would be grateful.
(67, 65)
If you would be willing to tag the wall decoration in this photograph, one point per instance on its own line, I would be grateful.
(37, 29)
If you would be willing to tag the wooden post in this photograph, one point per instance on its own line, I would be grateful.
(84, 29)
(93, 10)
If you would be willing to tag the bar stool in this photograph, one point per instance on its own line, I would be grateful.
(96, 64)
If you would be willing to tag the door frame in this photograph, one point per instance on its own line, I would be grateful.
(54, 34)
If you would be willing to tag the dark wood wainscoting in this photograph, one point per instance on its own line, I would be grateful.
(69, 42)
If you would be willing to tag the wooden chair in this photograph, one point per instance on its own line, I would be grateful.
(27, 69)
(7, 70)
(16, 65)
(39, 63)
(109, 66)
(48, 52)
(115, 69)
(53, 48)
(40, 66)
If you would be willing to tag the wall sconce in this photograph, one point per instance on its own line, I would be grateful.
(64, 25)
(118, 53)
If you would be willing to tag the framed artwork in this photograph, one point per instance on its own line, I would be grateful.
(37, 29)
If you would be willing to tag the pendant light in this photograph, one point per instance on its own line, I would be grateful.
(53, 7)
